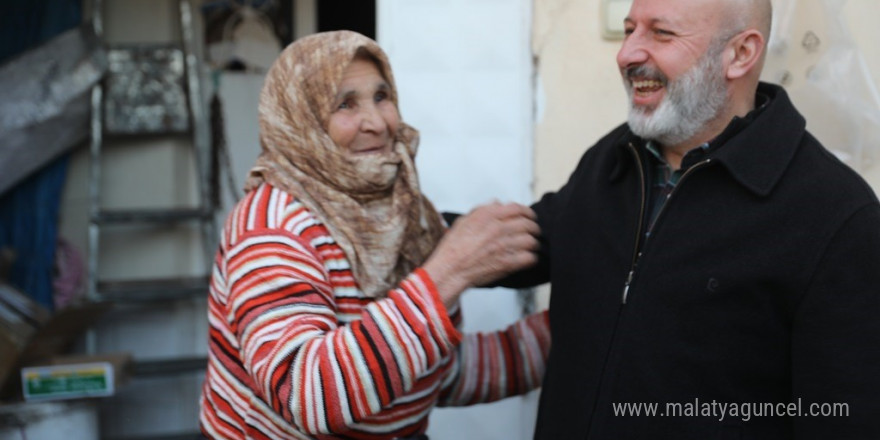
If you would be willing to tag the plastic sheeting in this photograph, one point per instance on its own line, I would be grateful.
(812, 54)
(45, 102)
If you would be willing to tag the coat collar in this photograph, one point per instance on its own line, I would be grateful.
(758, 154)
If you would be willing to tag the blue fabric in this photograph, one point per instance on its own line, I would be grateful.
(27, 23)
(29, 211)
(29, 225)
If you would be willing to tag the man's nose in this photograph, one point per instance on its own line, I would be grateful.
(633, 52)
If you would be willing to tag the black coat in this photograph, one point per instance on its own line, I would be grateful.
(760, 283)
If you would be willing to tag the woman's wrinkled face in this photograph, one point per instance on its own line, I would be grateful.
(364, 119)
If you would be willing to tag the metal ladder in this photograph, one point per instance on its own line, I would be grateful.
(156, 289)
(160, 291)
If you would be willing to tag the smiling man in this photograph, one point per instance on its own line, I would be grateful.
(715, 270)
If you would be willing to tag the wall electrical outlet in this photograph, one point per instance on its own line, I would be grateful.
(612, 15)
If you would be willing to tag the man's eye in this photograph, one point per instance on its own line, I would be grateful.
(663, 32)
(380, 96)
(628, 31)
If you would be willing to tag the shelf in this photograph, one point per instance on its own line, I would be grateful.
(168, 367)
(122, 136)
(150, 216)
(152, 290)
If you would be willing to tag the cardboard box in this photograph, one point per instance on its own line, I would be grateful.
(20, 319)
(57, 335)
(74, 377)
(32, 336)
(67, 381)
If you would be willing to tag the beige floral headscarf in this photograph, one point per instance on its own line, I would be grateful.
(371, 204)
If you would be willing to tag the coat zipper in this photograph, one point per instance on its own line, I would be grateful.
(636, 254)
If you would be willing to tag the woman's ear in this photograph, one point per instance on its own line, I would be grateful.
(744, 51)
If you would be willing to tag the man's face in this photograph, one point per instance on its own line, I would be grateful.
(672, 69)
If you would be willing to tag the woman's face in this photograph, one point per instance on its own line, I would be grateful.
(364, 120)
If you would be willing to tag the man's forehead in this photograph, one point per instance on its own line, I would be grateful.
(675, 11)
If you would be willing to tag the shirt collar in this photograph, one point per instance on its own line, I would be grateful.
(690, 157)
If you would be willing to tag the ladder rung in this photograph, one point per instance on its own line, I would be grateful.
(165, 367)
(120, 136)
(179, 436)
(151, 215)
(153, 290)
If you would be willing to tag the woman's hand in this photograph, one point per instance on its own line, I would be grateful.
(490, 242)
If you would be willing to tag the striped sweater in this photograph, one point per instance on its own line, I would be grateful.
(298, 352)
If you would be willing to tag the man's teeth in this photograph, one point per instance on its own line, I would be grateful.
(647, 84)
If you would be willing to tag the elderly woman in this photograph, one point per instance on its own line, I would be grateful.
(333, 304)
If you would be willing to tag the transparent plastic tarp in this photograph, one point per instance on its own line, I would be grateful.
(45, 102)
(812, 54)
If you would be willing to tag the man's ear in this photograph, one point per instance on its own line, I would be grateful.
(744, 52)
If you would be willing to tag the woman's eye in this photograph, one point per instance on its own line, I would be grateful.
(345, 104)
(380, 96)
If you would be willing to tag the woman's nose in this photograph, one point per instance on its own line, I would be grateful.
(371, 119)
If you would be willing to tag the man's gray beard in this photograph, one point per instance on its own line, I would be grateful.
(690, 102)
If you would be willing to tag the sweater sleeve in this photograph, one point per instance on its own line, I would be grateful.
(318, 375)
(492, 366)
(836, 337)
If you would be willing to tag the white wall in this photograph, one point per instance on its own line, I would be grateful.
(464, 72)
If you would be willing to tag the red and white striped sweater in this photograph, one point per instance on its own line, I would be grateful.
(298, 352)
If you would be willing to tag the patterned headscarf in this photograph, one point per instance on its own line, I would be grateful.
(371, 204)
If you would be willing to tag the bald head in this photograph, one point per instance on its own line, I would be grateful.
(739, 15)
(678, 53)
